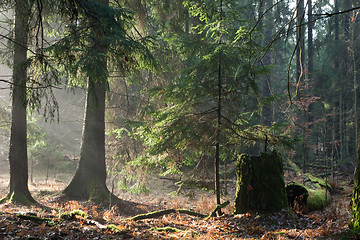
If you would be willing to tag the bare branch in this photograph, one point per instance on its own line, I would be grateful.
(28, 87)
(327, 15)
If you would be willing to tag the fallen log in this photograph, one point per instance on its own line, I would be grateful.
(304, 199)
(165, 212)
(184, 211)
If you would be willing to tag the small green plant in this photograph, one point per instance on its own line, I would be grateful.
(114, 228)
(139, 188)
(78, 213)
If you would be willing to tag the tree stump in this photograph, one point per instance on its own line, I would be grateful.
(260, 183)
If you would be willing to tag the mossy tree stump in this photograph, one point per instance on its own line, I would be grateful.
(260, 183)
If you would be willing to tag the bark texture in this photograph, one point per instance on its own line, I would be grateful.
(355, 200)
(260, 183)
(89, 181)
(19, 191)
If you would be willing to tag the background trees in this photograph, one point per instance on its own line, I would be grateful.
(173, 121)
(211, 96)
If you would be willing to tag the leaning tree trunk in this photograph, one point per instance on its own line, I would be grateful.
(260, 183)
(19, 191)
(89, 181)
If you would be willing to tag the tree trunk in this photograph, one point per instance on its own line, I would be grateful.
(355, 200)
(338, 68)
(300, 53)
(89, 181)
(218, 127)
(310, 40)
(19, 191)
(268, 29)
(345, 66)
(260, 183)
(300, 41)
(310, 59)
(354, 73)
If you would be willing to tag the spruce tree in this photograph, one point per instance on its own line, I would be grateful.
(98, 37)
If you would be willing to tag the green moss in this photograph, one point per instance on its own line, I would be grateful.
(166, 229)
(218, 207)
(354, 223)
(260, 183)
(20, 198)
(97, 193)
(243, 181)
(294, 167)
(318, 199)
(319, 182)
(114, 228)
(78, 213)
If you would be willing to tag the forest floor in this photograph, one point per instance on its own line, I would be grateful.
(102, 222)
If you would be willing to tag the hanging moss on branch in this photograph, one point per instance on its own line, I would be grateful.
(260, 183)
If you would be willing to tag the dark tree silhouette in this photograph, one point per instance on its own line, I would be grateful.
(19, 191)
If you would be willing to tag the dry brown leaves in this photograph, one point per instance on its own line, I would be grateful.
(108, 223)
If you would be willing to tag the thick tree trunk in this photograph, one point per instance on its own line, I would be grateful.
(19, 191)
(89, 181)
(90, 178)
(260, 183)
